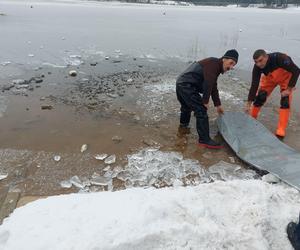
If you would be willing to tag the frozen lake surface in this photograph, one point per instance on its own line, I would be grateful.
(136, 51)
(55, 32)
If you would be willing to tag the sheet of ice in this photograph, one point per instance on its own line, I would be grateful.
(222, 215)
(193, 31)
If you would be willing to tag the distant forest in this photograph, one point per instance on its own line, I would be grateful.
(246, 3)
(241, 3)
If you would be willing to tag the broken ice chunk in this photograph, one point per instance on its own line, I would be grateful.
(94, 175)
(76, 182)
(150, 143)
(270, 178)
(117, 138)
(151, 167)
(85, 182)
(118, 169)
(136, 118)
(73, 73)
(100, 157)
(75, 56)
(107, 168)
(123, 176)
(100, 181)
(23, 86)
(19, 81)
(227, 171)
(3, 176)
(231, 159)
(66, 184)
(112, 95)
(108, 174)
(83, 148)
(84, 190)
(110, 160)
(57, 158)
(5, 63)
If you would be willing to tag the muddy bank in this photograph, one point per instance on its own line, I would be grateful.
(114, 106)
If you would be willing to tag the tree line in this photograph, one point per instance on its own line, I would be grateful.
(240, 3)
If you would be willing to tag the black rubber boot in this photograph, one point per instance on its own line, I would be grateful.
(293, 232)
(203, 132)
(210, 144)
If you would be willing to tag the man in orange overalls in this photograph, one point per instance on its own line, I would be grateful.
(277, 69)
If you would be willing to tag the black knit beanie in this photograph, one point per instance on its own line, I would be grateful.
(232, 54)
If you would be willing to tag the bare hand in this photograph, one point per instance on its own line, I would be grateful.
(248, 107)
(205, 105)
(220, 110)
(286, 92)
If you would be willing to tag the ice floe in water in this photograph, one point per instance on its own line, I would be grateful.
(73, 60)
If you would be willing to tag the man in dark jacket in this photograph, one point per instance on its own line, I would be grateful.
(194, 88)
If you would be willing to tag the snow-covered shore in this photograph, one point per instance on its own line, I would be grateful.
(222, 215)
